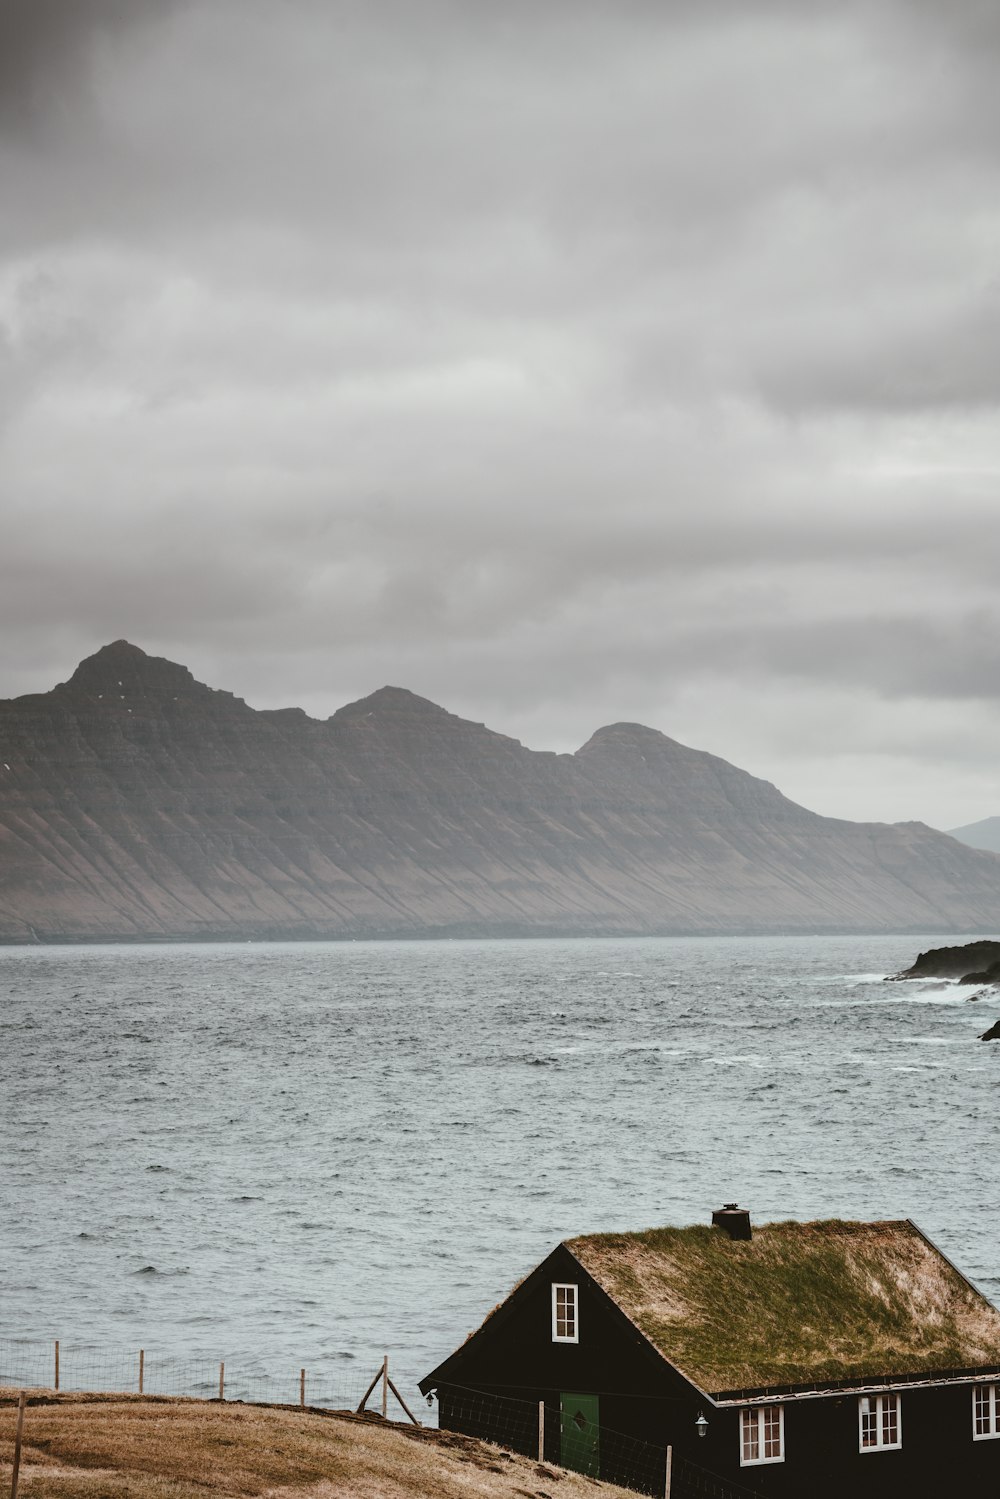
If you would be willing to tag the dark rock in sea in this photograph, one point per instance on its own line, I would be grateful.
(993, 1034)
(139, 804)
(989, 975)
(973, 963)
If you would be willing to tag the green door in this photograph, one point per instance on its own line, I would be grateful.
(580, 1434)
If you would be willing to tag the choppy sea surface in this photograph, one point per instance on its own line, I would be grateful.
(304, 1155)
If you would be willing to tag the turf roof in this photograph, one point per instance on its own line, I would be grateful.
(799, 1303)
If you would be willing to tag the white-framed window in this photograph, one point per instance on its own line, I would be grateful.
(762, 1435)
(565, 1314)
(879, 1422)
(985, 1412)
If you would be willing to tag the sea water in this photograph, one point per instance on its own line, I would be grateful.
(306, 1155)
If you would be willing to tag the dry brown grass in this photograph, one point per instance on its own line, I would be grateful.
(121, 1447)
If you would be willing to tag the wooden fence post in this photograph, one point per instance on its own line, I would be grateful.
(364, 1398)
(17, 1443)
(541, 1431)
(142, 1367)
(670, 1467)
(56, 1386)
(302, 1387)
(382, 1377)
(222, 1381)
(403, 1403)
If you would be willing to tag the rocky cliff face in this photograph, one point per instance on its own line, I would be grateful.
(136, 802)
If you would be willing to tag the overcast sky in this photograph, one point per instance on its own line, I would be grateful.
(562, 361)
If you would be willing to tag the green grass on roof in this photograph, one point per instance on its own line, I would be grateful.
(798, 1303)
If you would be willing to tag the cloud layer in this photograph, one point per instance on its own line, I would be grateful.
(565, 364)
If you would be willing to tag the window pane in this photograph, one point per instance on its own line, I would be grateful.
(751, 1439)
(890, 1419)
(982, 1410)
(565, 1311)
(772, 1432)
(985, 1410)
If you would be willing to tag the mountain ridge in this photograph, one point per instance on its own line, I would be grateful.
(137, 803)
(984, 834)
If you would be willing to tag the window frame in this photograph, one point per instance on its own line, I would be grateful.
(992, 1391)
(565, 1337)
(879, 1398)
(760, 1412)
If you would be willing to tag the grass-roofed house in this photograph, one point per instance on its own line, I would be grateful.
(822, 1359)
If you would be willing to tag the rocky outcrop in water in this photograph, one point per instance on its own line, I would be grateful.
(993, 1034)
(989, 975)
(138, 803)
(972, 963)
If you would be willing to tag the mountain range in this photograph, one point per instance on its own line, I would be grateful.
(137, 803)
(984, 834)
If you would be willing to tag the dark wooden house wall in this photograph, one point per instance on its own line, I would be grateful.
(938, 1458)
(643, 1400)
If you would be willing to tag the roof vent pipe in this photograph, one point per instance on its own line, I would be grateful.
(734, 1219)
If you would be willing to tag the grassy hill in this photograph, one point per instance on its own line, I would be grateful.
(129, 1447)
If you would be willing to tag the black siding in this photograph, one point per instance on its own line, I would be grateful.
(938, 1458)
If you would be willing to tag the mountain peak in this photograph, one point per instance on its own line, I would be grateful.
(120, 648)
(123, 674)
(118, 655)
(123, 667)
(391, 702)
(628, 738)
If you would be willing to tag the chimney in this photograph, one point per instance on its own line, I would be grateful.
(734, 1219)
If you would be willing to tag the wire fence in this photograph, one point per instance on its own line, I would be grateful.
(541, 1430)
(693, 1482)
(552, 1434)
(93, 1368)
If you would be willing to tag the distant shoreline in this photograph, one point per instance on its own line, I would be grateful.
(234, 939)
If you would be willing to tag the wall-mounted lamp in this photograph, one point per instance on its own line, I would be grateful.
(701, 1425)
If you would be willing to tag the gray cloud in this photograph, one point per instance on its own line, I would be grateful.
(940, 358)
(565, 363)
(46, 44)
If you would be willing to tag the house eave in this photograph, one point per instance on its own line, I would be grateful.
(868, 1384)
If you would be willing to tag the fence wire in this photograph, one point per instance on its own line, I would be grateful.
(93, 1368)
(599, 1451)
(697, 1483)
